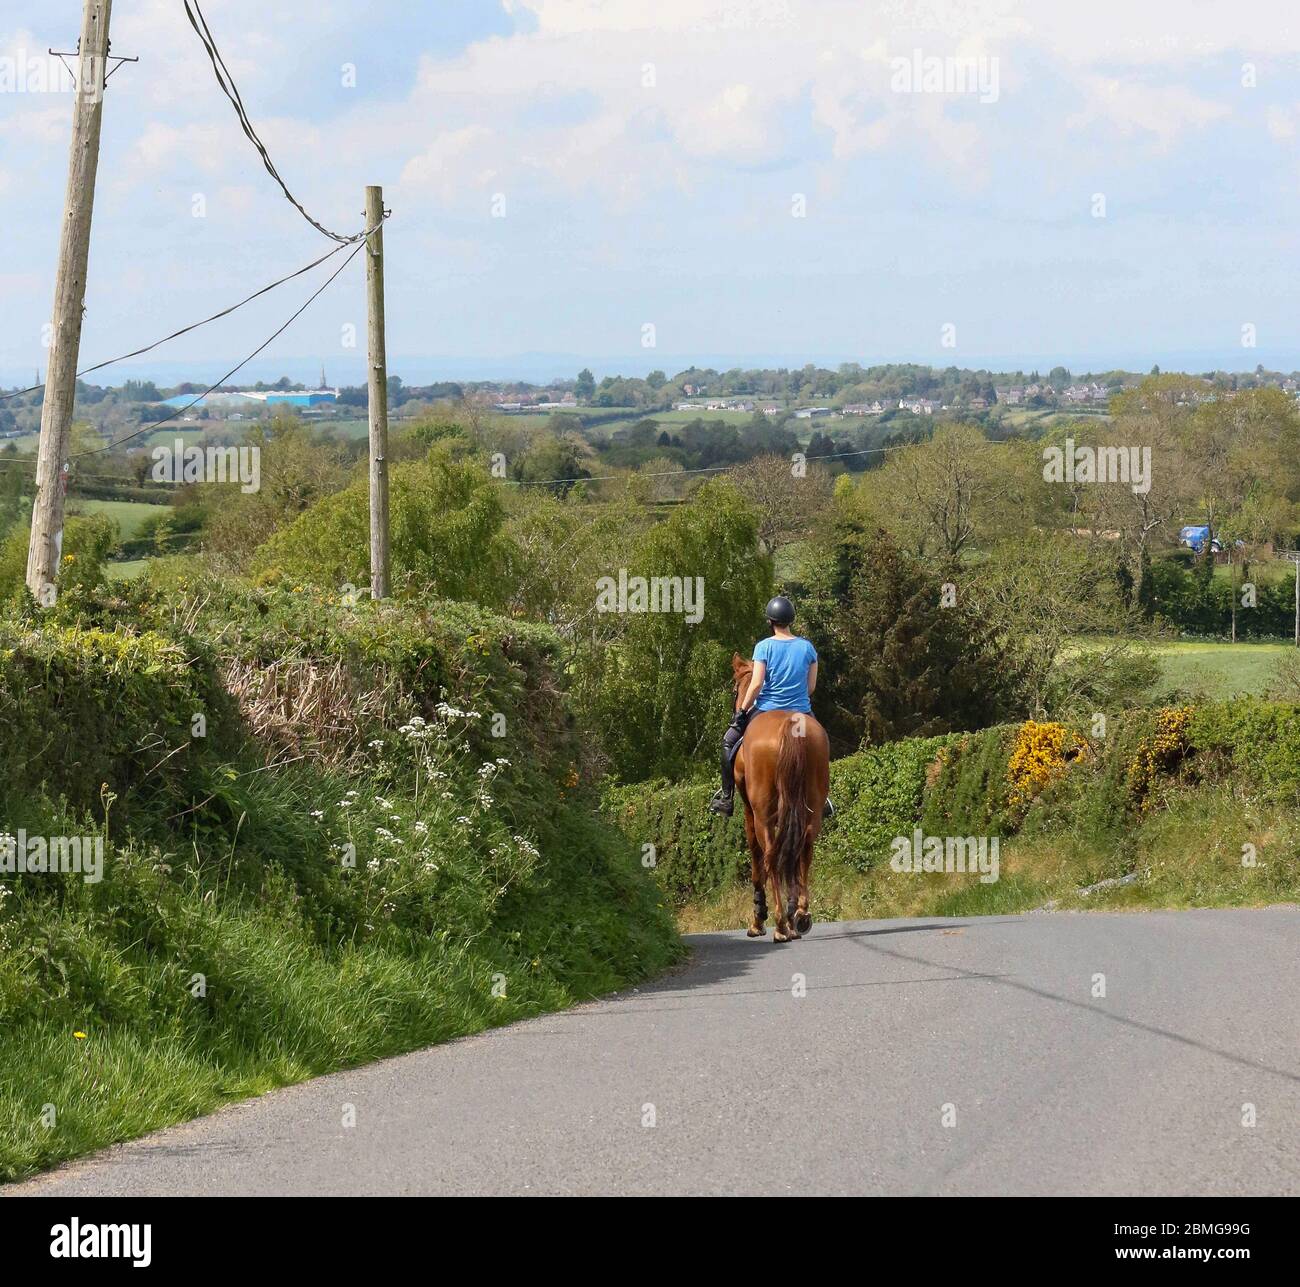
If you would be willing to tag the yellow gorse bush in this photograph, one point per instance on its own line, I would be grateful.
(1160, 753)
(1041, 754)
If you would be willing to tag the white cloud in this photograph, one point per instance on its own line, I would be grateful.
(1163, 111)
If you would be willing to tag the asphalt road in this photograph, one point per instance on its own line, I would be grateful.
(1049, 1088)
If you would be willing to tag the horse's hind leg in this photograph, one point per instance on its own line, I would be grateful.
(803, 918)
(757, 925)
(784, 930)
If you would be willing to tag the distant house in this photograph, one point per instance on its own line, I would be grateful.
(812, 413)
(863, 408)
(1085, 393)
(919, 406)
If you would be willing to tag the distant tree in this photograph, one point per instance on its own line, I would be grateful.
(584, 386)
(551, 460)
(895, 662)
(787, 503)
(661, 693)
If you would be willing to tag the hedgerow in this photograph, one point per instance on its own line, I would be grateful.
(330, 832)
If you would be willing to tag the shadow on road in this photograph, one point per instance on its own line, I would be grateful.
(720, 958)
(1153, 1029)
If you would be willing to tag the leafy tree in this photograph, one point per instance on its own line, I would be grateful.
(584, 387)
(661, 693)
(1039, 595)
(938, 496)
(447, 538)
(551, 460)
(894, 661)
(295, 473)
(787, 503)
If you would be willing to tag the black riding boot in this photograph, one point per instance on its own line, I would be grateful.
(723, 799)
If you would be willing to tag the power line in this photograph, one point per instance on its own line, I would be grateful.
(193, 326)
(227, 83)
(112, 446)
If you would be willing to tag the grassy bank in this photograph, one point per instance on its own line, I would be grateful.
(1170, 807)
(329, 834)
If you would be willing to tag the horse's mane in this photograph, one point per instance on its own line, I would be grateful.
(741, 670)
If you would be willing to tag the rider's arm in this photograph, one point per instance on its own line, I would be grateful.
(812, 679)
(755, 685)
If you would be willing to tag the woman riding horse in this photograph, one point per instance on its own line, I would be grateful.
(783, 769)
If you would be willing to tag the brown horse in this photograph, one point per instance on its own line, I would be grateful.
(783, 771)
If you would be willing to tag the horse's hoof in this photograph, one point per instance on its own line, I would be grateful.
(803, 922)
(751, 932)
(779, 936)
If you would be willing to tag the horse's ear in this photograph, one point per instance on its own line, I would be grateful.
(738, 663)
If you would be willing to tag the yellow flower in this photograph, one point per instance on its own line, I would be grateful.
(80, 1036)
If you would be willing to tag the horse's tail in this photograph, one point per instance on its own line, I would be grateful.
(791, 807)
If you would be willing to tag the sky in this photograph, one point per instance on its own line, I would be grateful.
(632, 184)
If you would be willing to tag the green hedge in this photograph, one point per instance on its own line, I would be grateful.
(1261, 739)
(958, 785)
(473, 859)
(877, 796)
(696, 853)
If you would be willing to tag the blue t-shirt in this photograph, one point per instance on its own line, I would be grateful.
(785, 682)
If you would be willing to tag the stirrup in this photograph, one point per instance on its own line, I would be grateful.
(828, 809)
(722, 803)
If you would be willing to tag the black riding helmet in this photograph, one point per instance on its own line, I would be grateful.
(779, 611)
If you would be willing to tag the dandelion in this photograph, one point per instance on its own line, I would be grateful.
(80, 1036)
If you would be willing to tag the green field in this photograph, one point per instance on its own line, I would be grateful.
(125, 571)
(1217, 670)
(129, 515)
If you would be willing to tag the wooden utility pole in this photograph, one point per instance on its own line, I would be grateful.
(46, 545)
(378, 391)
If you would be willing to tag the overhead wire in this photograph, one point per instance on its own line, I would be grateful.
(112, 446)
(194, 326)
(226, 82)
